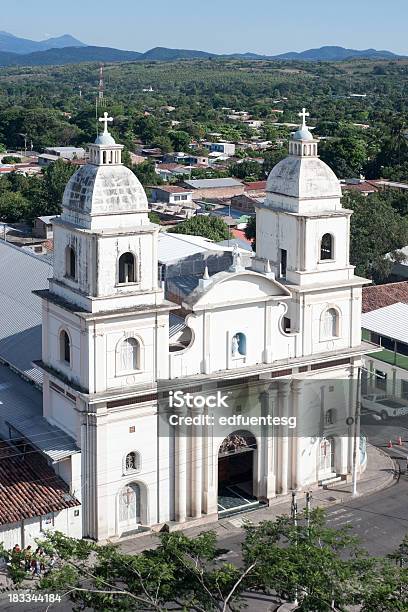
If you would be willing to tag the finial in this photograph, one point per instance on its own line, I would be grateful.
(268, 266)
(105, 120)
(206, 275)
(303, 114)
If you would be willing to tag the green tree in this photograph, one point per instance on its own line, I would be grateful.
(346, 156)
(13, 207)
(250, 231)
(213, 228)
(247, 171)
(376, 229)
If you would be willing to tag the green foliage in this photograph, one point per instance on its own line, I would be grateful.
(213, 228)
(10, 159)
(376, 229)
(324, 568)
(248, 171)
(146, 174)
(154, 217)
(250, 231)
(346, 155)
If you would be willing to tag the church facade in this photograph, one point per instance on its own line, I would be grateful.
(273, 338)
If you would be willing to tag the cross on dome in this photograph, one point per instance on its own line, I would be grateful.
(105, 120)
(303, 114)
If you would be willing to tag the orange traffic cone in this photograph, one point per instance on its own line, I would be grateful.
(389, 445)
(399, 441)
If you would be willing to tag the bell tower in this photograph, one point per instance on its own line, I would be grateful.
(303, 237)
(105, 325)
(302, 229)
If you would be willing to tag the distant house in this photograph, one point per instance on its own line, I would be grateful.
(359, 186)
(227, 148)
(244, 202)
(172, 194)
(43, 227)
(66, 152)
(33, 499)
(385, 313)
(256, 189)
(221, 188)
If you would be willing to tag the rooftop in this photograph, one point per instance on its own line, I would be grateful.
(389, 321)
(213, 183)
(29, 486)
(172, 189)
(255, 186)
(378, 296)
(21, 407)
(20, 310)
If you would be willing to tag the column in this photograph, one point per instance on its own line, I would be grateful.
(283, 400)
(210, 464)
(297, 389)
(268, 440)
(196, 467)
(180, 462)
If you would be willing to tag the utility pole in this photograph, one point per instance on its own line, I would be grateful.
(357, 413)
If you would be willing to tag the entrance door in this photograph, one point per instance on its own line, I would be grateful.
(236, 463)
(326, 459)
(129, 507)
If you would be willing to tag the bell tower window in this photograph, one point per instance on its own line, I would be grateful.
(330, 324)
(70, 262)
(283, 263)
(326, 247)
(65, 347)
(127, 268)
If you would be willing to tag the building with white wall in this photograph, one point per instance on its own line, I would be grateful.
(281, 338)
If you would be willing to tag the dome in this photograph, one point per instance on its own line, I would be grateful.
(302, 134)
(303, 177)
(98, 190)
(105, 139)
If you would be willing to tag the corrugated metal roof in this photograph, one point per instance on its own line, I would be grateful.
(390, 321)
(176, 325)
(173, 247)
(20, 311)
(49, 439)
(213, 183)
(21, 406)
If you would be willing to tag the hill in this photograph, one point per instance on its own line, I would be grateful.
(335, 54)
(68, 55)
(14, 44)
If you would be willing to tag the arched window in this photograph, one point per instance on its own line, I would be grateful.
(238, 345)
(127, 272)
(132, 462)
(326, 247)
(65, 347)
(129, 355)
(330, 323)
(70, 262)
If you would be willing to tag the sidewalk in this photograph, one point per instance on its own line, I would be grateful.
(378, 475)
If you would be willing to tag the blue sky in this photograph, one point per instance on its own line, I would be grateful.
(220, 26)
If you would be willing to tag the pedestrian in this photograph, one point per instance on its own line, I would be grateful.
(27, 558)
(15, 554)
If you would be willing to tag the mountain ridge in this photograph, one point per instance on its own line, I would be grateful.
(66, 49)
(23, 46)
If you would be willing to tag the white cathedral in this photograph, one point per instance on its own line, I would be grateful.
(268, 335)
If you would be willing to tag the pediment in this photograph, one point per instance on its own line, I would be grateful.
(229, 288)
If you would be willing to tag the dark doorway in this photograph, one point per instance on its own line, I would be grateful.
(236, 460)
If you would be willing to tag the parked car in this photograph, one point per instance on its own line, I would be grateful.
(385, 405)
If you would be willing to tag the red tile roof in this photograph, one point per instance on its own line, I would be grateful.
(29, 486)
(378, 296)
(255, 186)
(365, 187)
